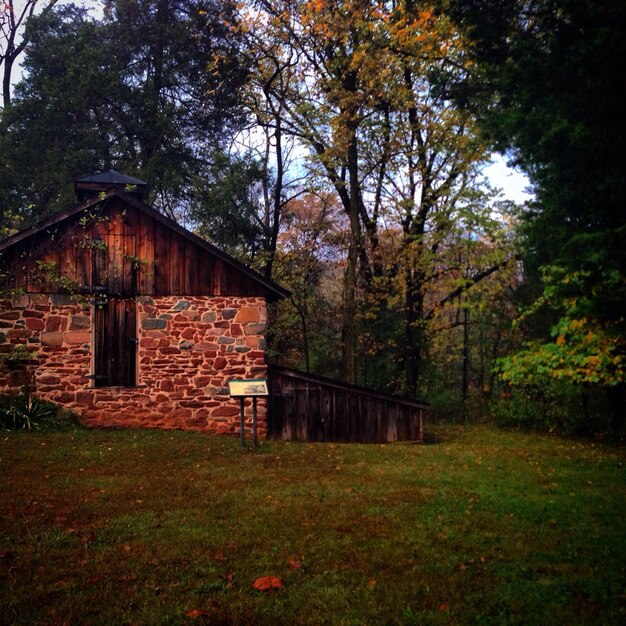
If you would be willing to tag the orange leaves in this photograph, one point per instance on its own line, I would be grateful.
(262, 584)
(317, 6)
(196, 613)
(267, 583)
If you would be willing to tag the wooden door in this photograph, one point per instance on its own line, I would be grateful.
(115, 346)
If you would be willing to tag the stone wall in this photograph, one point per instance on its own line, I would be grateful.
(188, 350)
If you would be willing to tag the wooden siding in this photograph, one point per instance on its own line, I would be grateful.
(115, 248)
(303, 407)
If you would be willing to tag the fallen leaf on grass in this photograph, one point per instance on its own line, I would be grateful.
(294, 564)
(371, 583)
(90, 539)
(230, 580)
(443, 607)
(196, 613)
(265, 583)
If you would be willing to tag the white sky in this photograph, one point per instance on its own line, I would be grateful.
(512, 182)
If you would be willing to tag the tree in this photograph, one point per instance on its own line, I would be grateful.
(355, 84)
(229, 209)
(130, 91)
(10, 49)
(554, 66)
(307, 328)
(470, 332)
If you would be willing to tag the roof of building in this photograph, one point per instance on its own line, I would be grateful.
(274, 290)
(110, 177)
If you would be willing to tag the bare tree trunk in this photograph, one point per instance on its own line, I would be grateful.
(355, 251)
(277, 201)
(466, 363)
(413, 335)
(349, 330)
(10, 23)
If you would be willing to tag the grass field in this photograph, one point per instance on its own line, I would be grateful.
(479, 526)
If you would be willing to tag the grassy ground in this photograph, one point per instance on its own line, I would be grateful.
(478, 527)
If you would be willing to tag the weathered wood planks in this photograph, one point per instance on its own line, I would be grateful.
(304, 407)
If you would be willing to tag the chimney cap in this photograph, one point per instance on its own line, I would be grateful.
(87, 186)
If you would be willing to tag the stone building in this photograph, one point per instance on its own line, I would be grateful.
(128, 318)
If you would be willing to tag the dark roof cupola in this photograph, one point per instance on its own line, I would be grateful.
(89, 186)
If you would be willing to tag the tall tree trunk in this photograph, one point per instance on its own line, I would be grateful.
(349, 330)
(6, 82)
(466, 362)
(277, 201)
(355, 251)
(413, 331)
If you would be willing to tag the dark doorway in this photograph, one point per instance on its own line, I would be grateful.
(115, 332)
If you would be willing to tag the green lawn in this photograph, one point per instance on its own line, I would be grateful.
(147, 527)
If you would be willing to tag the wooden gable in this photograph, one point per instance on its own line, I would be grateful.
(117, 245)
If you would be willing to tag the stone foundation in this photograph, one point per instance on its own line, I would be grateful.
(188, 350)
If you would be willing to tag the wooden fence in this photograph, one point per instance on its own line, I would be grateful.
(305, 407)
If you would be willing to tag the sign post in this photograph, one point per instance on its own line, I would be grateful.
(242, 389)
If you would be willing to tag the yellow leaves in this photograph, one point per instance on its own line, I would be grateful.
(560, 340)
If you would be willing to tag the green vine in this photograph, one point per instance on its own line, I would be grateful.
(48, 273)
(136, 261)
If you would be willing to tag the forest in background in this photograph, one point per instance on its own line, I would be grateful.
(337, 147)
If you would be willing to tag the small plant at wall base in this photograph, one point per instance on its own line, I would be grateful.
(26, 412)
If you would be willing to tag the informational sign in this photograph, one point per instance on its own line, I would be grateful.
(248, 388)
(242, 389)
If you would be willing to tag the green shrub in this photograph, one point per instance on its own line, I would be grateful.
(447, 406)
(26, 412)
(559, 407)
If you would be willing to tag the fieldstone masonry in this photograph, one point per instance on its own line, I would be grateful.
(188, 350)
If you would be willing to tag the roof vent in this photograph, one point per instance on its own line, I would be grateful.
(94, 184)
